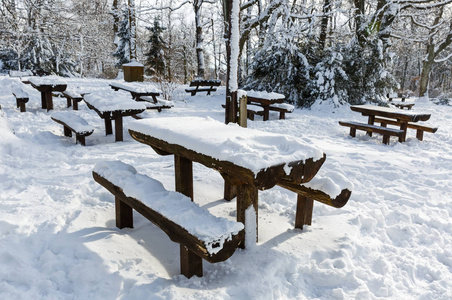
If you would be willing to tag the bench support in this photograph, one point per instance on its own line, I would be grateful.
(190, 263)
(124, 214)
(247, 198)
(303, 215)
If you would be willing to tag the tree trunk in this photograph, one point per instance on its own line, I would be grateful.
(427, 64)
(324, 24)
(199, 40)
(132, 28)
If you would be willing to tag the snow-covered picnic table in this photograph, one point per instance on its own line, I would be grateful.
(404, 119)
(47, 85)
(250, 159)
(113, 106)
(137, 90)
(269, 101)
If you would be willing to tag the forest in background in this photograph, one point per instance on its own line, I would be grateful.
(311, 51)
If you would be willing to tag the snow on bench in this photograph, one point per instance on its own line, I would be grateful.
(73, 123)
(185, 222)
(159, 105)
(21, 97)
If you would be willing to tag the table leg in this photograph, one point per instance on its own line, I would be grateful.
(191, 264)
(266, 112)
(404, 127)
(183, 169)
(118, 128)
(304, 211)
(43, 100)
(247, 198)
(49, 100)
(75, 105)
(370, 122)
(108, 127)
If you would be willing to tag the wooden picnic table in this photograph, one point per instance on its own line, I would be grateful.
(113, 106)
(402, 117)
(137, 90)
(265, 100)
(47, 85)
(250, 159)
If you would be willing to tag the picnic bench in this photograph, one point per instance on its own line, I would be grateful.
(137, 90)
(372, 112)
(156, 103)
(73, 98)
(73, 123)
(21, 97)
(403, 105)
(203, 85)
(270, 102)
(249, 159)
(420, 128)
(113, 106)
(200, 234)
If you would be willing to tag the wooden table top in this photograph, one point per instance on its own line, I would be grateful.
(407, 116)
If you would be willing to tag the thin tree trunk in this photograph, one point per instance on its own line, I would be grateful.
(199, 40)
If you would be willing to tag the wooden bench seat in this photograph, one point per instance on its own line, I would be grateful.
(251, 111)
(159, 105)
(73, 123)
(185, 222)
(403, 105)
(207, 85)
(420, 128)
(73, 98)
(386, 132)
(282, 108)
(21, 98)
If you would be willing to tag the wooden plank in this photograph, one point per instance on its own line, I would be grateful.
(301, 171)
(174, 231)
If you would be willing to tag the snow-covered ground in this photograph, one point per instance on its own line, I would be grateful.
(58, 240)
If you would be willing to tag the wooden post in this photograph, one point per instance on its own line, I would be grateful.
(190, 263)
(124, 214)
(247, 199)
(243, 111)
(303, 215)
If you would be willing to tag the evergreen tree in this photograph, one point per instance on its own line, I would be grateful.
(155, 58)
(122, 40)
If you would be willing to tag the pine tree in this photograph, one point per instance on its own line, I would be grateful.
(122, 40)
(155, 58)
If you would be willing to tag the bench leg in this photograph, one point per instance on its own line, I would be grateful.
(419, 134)
(386, 139)
(43, 100)
(124, 214)
(17, 103)
(67, 131)
(75, 105)
(352, 132)
(282, 115)
(303, 215)
(266, 113)
(81, 139)
(190, 263)
(69, 102)
(22, 107)
(247, 196)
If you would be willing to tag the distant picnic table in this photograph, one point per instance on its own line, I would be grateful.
(113, 106)
(203, 85)
(137, 90)
(47, 85)
(385, 115)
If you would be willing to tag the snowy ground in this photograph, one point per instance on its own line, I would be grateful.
(58, 238)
